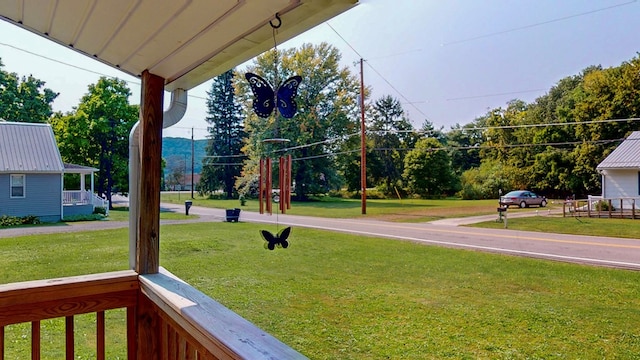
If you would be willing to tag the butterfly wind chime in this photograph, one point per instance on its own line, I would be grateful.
(274, 101)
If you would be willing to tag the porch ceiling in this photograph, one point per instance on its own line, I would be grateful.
(186, 42)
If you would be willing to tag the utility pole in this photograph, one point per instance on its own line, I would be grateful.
(363, 149)
(192, 162)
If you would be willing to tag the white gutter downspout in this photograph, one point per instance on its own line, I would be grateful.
(170, 117)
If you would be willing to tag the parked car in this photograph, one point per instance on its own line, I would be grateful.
(523, 199)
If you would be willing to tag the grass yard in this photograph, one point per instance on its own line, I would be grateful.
(121, 213)
(622, 228)
(405, 210)
(338, 296)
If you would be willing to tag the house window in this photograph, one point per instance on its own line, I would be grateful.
(17, 186)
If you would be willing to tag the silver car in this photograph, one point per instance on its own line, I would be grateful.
(523, 199)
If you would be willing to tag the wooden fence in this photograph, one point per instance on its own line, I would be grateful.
(598, 207)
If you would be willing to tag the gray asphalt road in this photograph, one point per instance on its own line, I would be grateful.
(593, 250)
(601, 251)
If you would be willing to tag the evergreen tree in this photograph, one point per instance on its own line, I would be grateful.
(226, 137)
(391, 135)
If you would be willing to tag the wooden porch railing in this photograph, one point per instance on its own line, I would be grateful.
(622, 208)
(166, 318)
(34, 301)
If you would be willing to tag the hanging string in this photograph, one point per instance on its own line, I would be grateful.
(276, 83)
(274, 29)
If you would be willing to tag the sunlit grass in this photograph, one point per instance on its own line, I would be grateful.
(339, 296)
(405, 210)
(624, 228)
(121, 213)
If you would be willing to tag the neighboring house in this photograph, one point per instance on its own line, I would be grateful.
(621, 172)
(32, 175)
(186, 180)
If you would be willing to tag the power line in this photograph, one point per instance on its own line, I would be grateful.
(396, 90)
(297, 147)
(378, 73)
(83, 69)
(478, 147)
(497, 94)
(537, 24)
(345, 41)
(548, 124)
(225, 156)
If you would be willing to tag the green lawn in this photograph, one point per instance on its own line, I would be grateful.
(338, 296)
(121, 213)
(623, 228)
(406, 210)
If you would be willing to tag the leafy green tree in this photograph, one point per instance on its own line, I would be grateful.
(96, 133)
(484, 182)
(463, 143)
(427, 169)
(327, 111)
(226, 137)
(24, 99)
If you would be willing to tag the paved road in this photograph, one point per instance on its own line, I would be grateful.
(602, 251)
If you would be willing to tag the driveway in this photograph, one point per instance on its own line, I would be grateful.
(601, 251)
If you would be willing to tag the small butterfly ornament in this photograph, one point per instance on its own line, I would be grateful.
(266, 99)
(279, 240)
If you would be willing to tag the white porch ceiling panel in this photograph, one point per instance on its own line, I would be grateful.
(187, 42)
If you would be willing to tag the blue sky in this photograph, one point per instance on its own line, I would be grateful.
(446, 61)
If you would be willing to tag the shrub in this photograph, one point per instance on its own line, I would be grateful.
(604, 206)
(100, 210)
(87, 217)
(6, 220)
(217, 196)
(30, 220)
(375, 194)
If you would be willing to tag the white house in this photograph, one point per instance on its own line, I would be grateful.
(621, 172)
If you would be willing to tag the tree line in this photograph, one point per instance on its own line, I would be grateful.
(94, 134)
(551, 145)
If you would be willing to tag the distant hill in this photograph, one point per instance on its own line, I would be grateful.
(181, 148)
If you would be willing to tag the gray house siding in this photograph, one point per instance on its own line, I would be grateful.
(72, 210)
(43, 197)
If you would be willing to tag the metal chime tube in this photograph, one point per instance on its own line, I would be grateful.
(261, 186)
(289, 181)
(269, 191)
(282, 180)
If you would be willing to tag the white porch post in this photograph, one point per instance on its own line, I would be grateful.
(82, 181)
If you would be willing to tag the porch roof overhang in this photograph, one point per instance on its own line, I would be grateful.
(186, 42)
(78, 169)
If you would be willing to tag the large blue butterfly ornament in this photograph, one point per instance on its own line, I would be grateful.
(265, 99)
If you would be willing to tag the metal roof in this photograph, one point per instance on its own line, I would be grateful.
(78, 169)
(625, 156)
(28, 148)
(186, 42)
